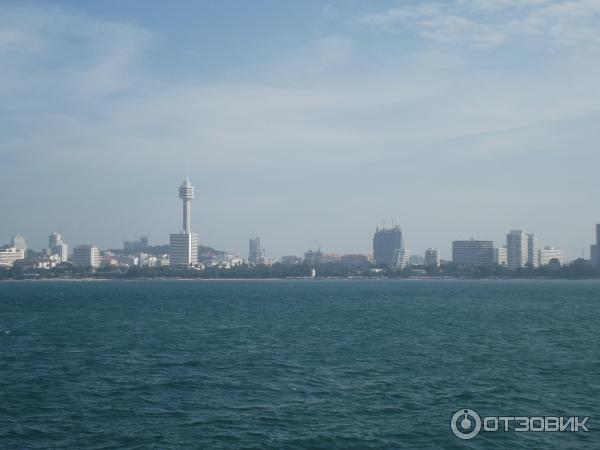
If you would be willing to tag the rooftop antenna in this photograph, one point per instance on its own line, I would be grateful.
(383, 223)
(392, 223)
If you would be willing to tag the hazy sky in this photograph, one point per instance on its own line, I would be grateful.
(299, 121)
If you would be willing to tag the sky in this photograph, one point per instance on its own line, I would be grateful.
(301, 122)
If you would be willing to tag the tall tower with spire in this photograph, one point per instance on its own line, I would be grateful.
(186, 193)
(184, 245)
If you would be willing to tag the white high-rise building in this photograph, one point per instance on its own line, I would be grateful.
(533, 251)
(517, 249)
(400, 258)
(183, 249)
(184, 245)
(595, 249)
(56, 247)
(500, 256)
(432, 257)
(54, 239)
(86, 255)
(549, 253)
(19, 243)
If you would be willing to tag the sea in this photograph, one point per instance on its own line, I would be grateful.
(297, 364)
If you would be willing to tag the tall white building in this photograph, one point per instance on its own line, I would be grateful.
(400, 258)
(533, 251)
(54, 239)
(86, 255)
(595, 249)
(517, 249)
(19, 243)
(56, 247)
(432, 257)
(184, 245)
(500, 256)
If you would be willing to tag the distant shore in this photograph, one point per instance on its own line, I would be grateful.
(308, 279)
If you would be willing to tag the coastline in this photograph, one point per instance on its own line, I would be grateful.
(307, 279)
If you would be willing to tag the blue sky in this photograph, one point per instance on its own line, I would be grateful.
(301, 121)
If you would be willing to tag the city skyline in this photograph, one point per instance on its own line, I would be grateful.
(525, 247)
(388, 248)
(522, 250)
(461, 119)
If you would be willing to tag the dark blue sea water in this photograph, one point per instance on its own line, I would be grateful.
(294, 364)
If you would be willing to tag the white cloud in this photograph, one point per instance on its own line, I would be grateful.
(331, 129)
(495, 5)
(492, 23)
(68, 50)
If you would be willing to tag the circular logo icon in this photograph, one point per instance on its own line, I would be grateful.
(465, 424)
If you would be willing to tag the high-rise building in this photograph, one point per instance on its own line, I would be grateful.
(595, 249)
(56, 247)
(313, 258)
(184, 245)
(254, 253)
(532, 251)
(500, 256)
(385, 242)
(400, 258)
(473, 253)
(517, 249)
(8, 255)
(19, 243)
(547, 254)
(183, 249)
(54, 239)
(137, 245)
(86, 255)
(432, 257)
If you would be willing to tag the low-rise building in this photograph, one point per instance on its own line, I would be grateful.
(38, 262)
(549, 253)
(330, 258)
(290, 260)
(354, 260)
(9, 255)
(416, 260)
(268, 261)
